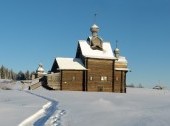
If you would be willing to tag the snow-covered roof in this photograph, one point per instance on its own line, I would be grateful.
(40, 69)
(70, 64)
(87, 51)
(123, 69)
(121, 59)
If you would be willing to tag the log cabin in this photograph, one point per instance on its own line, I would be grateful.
(96, 67)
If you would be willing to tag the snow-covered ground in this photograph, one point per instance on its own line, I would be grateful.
(138, 107)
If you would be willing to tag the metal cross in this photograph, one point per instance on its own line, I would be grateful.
(116, 43)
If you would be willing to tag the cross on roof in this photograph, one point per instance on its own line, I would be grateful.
(116, 43)
(95, 15)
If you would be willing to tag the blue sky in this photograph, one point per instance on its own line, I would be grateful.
(34, 31)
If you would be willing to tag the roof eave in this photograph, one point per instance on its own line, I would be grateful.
(122, 69)
(71, 69)
(111, 58)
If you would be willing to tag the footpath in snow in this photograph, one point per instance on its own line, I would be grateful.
(49, 115)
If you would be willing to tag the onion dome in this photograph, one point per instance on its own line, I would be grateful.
(95, 41)
(40, 69)
(94, 29)
(117, 52)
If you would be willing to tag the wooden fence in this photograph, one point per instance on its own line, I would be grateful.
(35, 84)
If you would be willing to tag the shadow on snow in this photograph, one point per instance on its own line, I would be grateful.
(48, 111)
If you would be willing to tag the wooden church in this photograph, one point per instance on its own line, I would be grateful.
(96, 67)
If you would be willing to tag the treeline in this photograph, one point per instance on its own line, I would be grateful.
(133, 86)
(6, 73)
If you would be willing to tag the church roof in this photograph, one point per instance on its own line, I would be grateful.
(121, 59)
(87, 51)
(40, 69)
(122, 69)
(70, 64)
(121, 64)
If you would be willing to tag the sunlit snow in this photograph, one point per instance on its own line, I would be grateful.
(138, 107)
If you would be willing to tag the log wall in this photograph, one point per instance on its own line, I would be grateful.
(120, 81)
(72, 80)
(53, 81)
(99, 75)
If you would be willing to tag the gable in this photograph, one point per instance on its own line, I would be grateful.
(54, 66)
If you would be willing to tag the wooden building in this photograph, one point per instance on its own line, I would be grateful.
(96, 67)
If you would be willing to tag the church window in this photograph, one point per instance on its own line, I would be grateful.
(103, 78)
(73, 78)
(90, 78)
(117, 78)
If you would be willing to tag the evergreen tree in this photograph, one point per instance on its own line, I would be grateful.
(140, 86)
(13, 75)
(6, 73)
(32, 74)
(27, 75)
(2, 72)
(21, 76)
